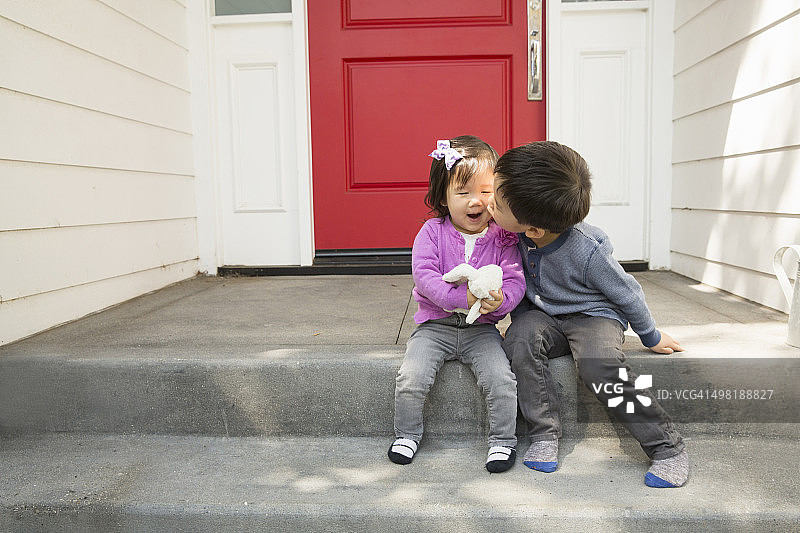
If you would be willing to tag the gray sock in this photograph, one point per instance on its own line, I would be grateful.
(542, 455)
(670, 472)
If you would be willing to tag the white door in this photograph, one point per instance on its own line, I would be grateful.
(257, 158)
(600, 108)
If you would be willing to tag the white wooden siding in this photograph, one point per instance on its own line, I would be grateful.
(96, 181)
(736, 149)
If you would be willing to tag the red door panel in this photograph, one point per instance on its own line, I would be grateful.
(418, 12)
(390, 78)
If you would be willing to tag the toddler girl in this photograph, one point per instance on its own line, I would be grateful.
(461, 185)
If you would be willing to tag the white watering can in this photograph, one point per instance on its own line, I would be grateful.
(793, 337)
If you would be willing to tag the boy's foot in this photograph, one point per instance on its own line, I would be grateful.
(668, 473)
(500, 459)
(402, 451)
(542, 455)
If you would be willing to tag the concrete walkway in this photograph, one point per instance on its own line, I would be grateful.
(265, 404)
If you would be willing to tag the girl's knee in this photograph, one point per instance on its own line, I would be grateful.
(498, 383)
(415, 377)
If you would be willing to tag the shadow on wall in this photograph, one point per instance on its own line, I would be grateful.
(736, 195)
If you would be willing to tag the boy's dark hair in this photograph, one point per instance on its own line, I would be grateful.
(545, 185)
(477, 155)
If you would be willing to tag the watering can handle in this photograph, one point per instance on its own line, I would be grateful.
(777, 266)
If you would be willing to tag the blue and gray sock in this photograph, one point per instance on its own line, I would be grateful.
(542, 456)
(668, 473)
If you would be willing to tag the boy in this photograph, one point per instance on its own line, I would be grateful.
(578, 300)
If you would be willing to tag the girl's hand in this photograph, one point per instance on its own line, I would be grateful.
(489, 306)
(471, 299)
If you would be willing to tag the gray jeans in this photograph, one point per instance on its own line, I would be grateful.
(476, 345)
(535, 337)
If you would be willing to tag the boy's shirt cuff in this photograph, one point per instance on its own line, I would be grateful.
(651, 339)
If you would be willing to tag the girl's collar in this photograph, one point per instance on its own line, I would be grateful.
(490, 229)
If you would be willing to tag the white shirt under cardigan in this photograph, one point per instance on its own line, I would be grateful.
(469, 242)
(576, 273)
(469, 246)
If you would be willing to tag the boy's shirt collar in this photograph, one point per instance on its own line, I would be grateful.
(550, 248)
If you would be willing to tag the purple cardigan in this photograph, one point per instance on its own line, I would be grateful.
(439, 247)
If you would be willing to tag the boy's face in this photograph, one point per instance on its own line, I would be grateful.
(468, 204)
(502, 214)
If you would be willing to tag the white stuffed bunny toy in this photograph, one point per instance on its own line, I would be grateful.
(479, 280)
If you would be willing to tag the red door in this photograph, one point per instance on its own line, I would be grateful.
(388, 79)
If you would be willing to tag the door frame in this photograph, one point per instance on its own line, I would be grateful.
(658, 184)
(201, 23)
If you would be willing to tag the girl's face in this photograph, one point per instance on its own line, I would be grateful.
(468, 204)
(502, 214)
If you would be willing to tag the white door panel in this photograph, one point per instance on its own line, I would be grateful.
(603, 115)
(256, 143)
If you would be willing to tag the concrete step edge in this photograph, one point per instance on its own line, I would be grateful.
(345, 391)
(146, 483)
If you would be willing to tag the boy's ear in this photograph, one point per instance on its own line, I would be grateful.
(535, 233)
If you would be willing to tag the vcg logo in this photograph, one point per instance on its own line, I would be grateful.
(644, 381)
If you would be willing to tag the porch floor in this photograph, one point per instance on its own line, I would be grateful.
(262, 317)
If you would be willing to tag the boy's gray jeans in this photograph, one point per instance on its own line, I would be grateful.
(477, 345)
(535, 337)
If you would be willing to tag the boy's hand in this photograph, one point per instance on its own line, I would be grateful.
(667, 345)
(488, 306)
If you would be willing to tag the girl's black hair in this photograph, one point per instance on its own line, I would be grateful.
(477, 156)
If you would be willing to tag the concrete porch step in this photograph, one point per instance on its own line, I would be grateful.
(141, 483)
(324, 391)
(317, 356)
(344, 391)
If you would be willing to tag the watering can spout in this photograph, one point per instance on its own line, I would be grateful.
(792, 293)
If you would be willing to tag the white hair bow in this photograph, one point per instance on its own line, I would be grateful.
(443, 151)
